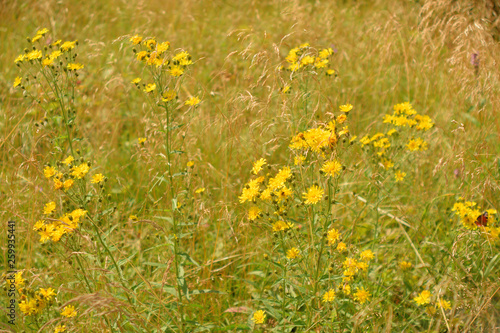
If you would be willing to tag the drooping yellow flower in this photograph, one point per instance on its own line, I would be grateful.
(141, 140)
(361, 295)
(313, 195)
(199, 190)
(136, 80)
(69, 311)
(423, 298)
(329, 296)
(259, 316)
(192, 101)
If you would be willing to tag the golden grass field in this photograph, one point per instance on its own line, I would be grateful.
(250, 166)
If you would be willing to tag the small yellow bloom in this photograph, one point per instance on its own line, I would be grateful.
(176, 71)
(293, 253)
(259, 316)
(330, 72)
(405, 265)
(80, 171)
(332, 168)
(367, 255)
(313, 195)
(136, 80)
(66, 46)
(75, 66)
(17, 82)
(47, 293)
(257, 165)
(69, 311)
(361, 295)
(135, 39)
(329, 296)
(346, 108)
(49, 171)
(341, 246)
(299, 160)
(150, 87)
(49, 208)
(141, 140)
(332, 236)
(68, 183)
(200, 190)
(446, 305)
(60, 328)
(192, 101)
(190, 164)
(399, 176)
(253, 213)
(423, 298)
(68, 160)
(133, 217)
(97, 178)
(168, 95)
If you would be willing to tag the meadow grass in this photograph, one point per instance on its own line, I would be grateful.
(167, 243)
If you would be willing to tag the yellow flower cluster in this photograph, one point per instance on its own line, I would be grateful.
(472, 218)
(352, 266)
(383, 145)
(54, 229)
(65, 179)
(425, 296)
(303, 58)
(405, 115)
(153, 53)
(48, 55)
